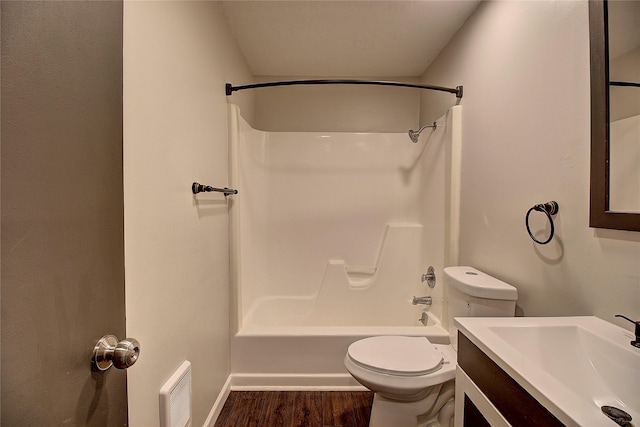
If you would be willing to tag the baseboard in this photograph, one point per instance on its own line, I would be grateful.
(317, 382)
(219, 403)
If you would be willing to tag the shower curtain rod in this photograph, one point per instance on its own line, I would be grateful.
(229, 88)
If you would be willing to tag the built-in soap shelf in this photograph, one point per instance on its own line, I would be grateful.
(359, 276)
(397, 263)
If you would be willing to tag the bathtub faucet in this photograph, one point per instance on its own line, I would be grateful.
(422, 300)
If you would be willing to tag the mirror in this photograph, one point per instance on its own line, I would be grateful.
(615, 114)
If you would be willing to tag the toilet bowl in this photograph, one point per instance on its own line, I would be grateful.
(412, 378)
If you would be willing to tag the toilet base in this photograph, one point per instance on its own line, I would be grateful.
(387, 412)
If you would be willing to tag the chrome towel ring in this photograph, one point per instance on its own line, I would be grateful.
(549, 208)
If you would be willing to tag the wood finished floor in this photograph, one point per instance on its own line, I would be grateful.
(296, 409)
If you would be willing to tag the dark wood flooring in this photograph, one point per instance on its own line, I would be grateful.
(296, 409)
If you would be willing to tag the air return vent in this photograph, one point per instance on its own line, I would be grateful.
(175, 398)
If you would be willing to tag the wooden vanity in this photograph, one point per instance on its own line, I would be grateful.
(544, 371)
(487, 396)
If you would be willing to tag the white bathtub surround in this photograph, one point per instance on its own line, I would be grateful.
(310, 198)
(330, 236)
(347, 293)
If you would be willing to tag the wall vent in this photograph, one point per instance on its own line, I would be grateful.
(175, 398)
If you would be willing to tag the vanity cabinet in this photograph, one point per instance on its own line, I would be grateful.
(487, 396)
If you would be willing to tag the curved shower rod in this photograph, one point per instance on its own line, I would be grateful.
(229, 88)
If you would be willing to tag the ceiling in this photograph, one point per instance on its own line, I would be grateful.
(349, 38)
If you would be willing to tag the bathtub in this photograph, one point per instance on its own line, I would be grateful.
(278, 348)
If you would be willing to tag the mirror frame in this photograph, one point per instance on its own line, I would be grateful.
(599, 215)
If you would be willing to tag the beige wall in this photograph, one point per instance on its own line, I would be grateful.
(526, 136)
(524, 66)
(177, 58)
(336, 108)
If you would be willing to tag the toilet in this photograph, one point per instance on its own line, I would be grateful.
(412, 378)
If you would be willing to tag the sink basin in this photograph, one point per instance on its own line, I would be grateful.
(571, 365)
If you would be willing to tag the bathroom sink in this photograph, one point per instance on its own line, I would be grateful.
(571, 365)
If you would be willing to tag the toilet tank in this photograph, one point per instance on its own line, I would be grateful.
(473, 293)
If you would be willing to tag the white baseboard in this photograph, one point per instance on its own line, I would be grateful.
(219, 403)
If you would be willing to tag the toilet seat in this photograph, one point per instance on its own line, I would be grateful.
(396, 355)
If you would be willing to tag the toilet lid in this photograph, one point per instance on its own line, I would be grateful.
(396, 355)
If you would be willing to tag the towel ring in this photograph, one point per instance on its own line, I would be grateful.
(549, 208)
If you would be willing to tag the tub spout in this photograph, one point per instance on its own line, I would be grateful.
(422, 300)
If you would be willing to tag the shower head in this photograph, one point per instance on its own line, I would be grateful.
(415, 134)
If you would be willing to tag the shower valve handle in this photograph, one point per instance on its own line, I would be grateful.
(429, 277)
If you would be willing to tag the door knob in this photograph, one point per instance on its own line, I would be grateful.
(109, 351)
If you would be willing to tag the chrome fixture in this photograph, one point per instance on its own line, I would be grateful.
(422, 300)
(108, 351)
(424, 319)
(636, 342)
(414, 134)
(200, 188)
(429, 277)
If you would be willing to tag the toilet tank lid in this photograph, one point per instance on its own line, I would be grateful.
(478, 284)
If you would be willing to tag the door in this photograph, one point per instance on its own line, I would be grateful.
(62, 211)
